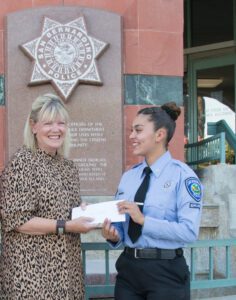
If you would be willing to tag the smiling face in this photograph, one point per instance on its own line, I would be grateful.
(145, 140)
(50, 135)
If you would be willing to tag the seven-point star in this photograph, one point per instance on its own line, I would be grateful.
(64, 55)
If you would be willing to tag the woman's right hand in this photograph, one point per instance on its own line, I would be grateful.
(109, 232)
(80, 225)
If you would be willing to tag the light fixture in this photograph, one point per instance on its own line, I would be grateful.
(209, 83)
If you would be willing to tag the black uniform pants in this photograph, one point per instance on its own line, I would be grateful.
(152, 279)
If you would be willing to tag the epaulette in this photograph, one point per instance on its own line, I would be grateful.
(183, 166)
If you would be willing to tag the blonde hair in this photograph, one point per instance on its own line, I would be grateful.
(46, 108)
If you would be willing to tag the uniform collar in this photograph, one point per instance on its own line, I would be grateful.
(159, 164)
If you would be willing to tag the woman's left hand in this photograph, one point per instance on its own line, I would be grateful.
(131, 208)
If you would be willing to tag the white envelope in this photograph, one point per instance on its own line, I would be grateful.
(100, 211)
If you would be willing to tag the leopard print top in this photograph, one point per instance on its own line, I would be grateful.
(39, 267)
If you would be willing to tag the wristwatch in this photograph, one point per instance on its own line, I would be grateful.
(60, 227)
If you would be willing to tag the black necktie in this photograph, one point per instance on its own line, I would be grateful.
(134, 230)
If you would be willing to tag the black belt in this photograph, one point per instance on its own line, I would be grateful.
(153, 253)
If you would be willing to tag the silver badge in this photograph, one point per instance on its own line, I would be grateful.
(167, 184)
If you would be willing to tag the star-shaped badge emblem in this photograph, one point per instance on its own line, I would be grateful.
(64, 55)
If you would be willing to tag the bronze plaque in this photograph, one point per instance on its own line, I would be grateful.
(76, 53)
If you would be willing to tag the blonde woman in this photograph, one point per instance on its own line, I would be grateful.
(41, 246)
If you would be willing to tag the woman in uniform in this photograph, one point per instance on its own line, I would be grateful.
(163, 209)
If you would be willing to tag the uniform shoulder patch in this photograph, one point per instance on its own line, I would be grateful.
(193, 187)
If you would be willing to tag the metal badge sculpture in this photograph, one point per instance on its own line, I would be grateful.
(64, 55)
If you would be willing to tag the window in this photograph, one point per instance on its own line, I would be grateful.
(207, 22)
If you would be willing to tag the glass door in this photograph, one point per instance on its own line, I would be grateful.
(210, 95)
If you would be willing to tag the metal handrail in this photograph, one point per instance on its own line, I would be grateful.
(212, 250)
(193, 252)
(215, 249)
(222, 126)
(213, 148)
(207, 150)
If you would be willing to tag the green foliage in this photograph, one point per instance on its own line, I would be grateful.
(229, 154)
